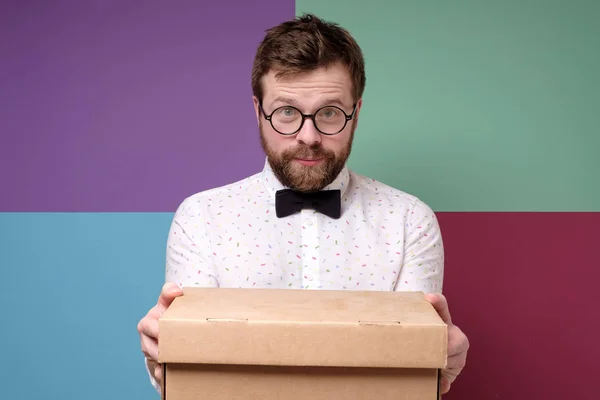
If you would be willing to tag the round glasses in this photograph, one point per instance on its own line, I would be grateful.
(288, 120)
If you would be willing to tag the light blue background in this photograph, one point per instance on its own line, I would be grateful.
(74, 288)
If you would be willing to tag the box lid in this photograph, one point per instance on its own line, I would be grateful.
(302, 327)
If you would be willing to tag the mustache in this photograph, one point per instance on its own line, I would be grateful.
(316, 151)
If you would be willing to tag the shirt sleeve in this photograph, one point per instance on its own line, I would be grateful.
(423, 264)
(189, 255)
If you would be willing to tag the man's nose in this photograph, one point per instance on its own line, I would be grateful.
(309, 134)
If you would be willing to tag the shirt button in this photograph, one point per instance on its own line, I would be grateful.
(310, 222)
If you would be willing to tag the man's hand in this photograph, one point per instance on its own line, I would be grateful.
(148, 328)
(458, 343)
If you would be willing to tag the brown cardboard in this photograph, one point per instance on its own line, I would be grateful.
(223, 343)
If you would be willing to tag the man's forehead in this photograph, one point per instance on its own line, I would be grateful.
(330, 83)
(336, 71)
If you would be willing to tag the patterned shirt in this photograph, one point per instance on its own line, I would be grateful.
(230, 236)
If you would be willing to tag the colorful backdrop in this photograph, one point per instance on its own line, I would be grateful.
(112, 112)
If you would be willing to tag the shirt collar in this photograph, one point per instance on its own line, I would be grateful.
(272, 184)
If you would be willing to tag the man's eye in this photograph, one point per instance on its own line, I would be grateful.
(287, 112)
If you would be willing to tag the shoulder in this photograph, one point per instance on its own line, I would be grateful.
(199, 203)
(420, 224)
(394, 198)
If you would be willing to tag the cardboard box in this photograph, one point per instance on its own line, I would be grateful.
(291, 344)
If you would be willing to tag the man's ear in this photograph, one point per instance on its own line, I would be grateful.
(357, 112)
(256, 108)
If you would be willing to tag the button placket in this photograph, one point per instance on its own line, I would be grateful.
(310, 250)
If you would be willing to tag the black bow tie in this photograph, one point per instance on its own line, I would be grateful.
(328, 202)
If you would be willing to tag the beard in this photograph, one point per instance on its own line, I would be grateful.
(306, 178)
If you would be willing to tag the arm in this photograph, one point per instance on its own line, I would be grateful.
(188, 263)
(423, 270)
(423, 265)
(189, 255)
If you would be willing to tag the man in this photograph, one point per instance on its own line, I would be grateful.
(306, 221)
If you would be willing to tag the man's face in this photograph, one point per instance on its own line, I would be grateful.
(307, 160)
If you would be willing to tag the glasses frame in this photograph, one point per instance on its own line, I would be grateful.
(347, 117)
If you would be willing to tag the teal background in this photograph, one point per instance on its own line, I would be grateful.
(479, 105)
(74, 286)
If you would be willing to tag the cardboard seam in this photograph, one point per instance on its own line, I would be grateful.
(279, 322)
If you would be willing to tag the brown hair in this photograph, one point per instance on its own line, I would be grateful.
(305, 44)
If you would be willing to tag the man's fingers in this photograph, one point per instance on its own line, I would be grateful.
(158, 373)
(150, 348)
(148, 329)
(458, 343)
(168, 293)
(455, 365)
(149, 326)
(448, 377)
(440, 304)
(444, 385)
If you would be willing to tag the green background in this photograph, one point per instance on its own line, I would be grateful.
(479, 105)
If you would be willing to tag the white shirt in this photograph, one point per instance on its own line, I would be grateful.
(230, 237)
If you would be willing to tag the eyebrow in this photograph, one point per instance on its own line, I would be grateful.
(286, 100)
(325, 102)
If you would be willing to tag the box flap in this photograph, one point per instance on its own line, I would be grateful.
(303, 327)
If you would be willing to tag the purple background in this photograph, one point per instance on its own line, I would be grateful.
(127, 105)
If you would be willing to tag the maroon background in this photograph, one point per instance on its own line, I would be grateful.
(524, 288)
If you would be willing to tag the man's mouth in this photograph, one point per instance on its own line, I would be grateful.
(309, 161)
